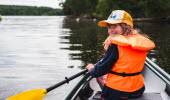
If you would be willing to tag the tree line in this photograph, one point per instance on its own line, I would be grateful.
(102, 8)
(28, 10)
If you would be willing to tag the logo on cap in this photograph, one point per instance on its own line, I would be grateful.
(113, 15)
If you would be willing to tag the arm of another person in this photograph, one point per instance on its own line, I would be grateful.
(106, 64)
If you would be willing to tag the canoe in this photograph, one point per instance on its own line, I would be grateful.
(157, 85)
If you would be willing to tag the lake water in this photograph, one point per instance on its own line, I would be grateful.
(31, 56)
(39, 51)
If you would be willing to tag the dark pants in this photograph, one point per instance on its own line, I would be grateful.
(111, 94)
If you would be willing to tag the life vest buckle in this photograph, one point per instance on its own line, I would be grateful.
(124, 74)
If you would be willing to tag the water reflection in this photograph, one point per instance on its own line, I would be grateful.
(159, 33)
(87, 38)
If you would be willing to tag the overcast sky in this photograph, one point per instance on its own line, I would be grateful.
(46, 3)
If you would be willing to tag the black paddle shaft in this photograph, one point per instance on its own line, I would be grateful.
(66, 80)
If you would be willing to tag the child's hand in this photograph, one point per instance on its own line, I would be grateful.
(89, 67)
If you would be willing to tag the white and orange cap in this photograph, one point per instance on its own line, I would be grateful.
(117, 16)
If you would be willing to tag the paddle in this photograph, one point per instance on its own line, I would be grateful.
(39, 94)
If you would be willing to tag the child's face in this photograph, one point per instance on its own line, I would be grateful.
(114, 29)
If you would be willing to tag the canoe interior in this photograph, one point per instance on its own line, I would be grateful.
(157, 85)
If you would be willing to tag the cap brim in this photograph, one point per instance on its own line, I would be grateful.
(105, 22)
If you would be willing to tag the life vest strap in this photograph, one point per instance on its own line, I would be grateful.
(124, 74)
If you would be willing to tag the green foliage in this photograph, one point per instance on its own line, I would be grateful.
(83, 7)
(152, 8)
(27, 10)
(102, 8)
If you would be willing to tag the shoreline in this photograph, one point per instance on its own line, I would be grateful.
(158, 19)
(154, 19)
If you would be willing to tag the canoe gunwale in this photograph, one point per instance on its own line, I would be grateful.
(83, 81)
(158, 71)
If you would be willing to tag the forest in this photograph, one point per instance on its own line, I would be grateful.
(102, 8)
(96, 8)
(28, 10)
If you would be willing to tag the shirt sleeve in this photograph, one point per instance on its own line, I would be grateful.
(106, 64)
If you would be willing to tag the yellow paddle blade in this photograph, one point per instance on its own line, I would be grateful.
(37, 94)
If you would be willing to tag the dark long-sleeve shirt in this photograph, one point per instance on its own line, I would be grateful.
(105, 65)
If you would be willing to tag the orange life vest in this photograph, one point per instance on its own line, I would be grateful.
(132, 51)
